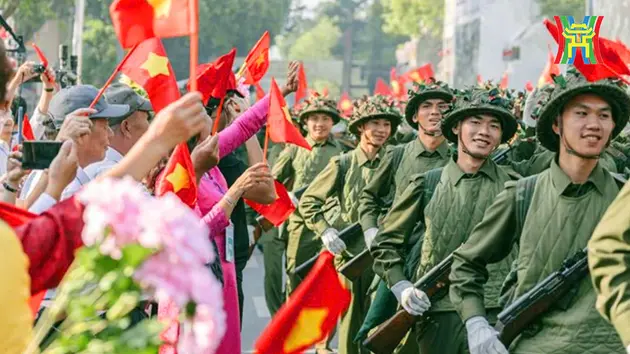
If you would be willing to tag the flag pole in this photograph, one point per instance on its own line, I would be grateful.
(215, 127)
(112, 77)
(194, 43)
(266, 146)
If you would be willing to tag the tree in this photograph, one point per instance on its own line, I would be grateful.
(408, 17)
(317, 43)
(99, 52)
(550, 8)
(30, 15)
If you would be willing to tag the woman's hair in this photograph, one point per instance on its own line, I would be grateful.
(6, 72)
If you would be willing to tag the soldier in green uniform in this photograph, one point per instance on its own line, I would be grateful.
(373, 121)
(449, 202)
(578, 121)
(430, 150)
(273, 244)
(299, 166)
(609, 263)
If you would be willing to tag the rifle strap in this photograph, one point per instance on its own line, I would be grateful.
(344, 165)
(397, 156)
(524, 193)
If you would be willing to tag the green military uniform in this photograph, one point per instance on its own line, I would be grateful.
(449, 215)
(301, 167)
(273, 251)
(609, 262)
(560, 224)
(344, 178)
(392, 176)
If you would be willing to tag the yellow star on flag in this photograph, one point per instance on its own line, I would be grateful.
(346, 105)
(396, 86)
(179, 178)
(415, 76)
(260, 60)
(161, 7)
(306, 330)
(156, 65)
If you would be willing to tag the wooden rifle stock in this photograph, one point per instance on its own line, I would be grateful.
(345, 235)
(386, 338)
(514, 319)
(357, 265)
(265, 224)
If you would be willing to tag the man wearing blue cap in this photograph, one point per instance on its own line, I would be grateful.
(127, 129)
(70, 111)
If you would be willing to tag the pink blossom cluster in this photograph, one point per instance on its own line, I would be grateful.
(119, 213)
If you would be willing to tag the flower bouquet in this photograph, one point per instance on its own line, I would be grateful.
(136, 247)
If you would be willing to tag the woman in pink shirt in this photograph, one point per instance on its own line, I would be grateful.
(215, 201)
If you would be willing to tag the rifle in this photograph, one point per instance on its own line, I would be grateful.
(392, 331)
(355, 267)
(527, 308)
(265, 224)
(345, 235)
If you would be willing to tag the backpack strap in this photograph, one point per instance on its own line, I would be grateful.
(344, 165)
(397, 156)
(524, 193)
(431, 181)
(619, 178)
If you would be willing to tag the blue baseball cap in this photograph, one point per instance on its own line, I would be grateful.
(72, 98)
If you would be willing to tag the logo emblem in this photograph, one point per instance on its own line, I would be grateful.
(578, 39)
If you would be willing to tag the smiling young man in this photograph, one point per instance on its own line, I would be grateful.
(448, 202)
(373, 121)
(300, 167)
(578, 121)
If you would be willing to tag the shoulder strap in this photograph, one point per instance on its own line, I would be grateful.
(620, 179)
(431, 181)
(344, 165)
(398, 153)
(524, 193)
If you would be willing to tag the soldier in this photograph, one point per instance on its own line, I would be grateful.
(299, 167)
(423, 112)
(609, 262)
(430, 150)
(578, 121)
(272, 242)
(449, 202)
(373, 121)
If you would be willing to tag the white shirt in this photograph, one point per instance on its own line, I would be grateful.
(30, 183)
(112, 157)
(5, 150)
(79, 181)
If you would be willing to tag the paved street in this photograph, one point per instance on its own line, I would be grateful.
(256, 316)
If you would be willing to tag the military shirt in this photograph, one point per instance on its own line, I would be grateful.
(558, 224)
(541, 160)
(300, 166)
(456, 206)
(390, 181)
(609, 263)
(359, 172)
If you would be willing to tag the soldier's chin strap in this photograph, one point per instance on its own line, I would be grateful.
(475, 156)
(429, 133)
(571, 151)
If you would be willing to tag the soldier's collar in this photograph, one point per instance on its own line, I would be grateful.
(561, 180)
(455, 173)
(419, 148)
(362, 158)
(312, 141)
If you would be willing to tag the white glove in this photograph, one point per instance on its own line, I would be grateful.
(250, 233)
(482, 338)
(628, 349)
(333, 243)
(414, 301)
(369, 235)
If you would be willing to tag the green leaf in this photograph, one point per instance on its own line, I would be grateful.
(123, 306)
(133, 255)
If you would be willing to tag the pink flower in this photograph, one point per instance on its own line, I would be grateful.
(203, 333)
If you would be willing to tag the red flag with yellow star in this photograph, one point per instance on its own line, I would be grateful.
(420, 74)
(257, 61)
(345, 105)
(309, 314)
(278, 211)
(397, 83)
(279, 125)
(149, 67)
(302, 84)
(137, 20)
(179, 177)
(216, 78)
